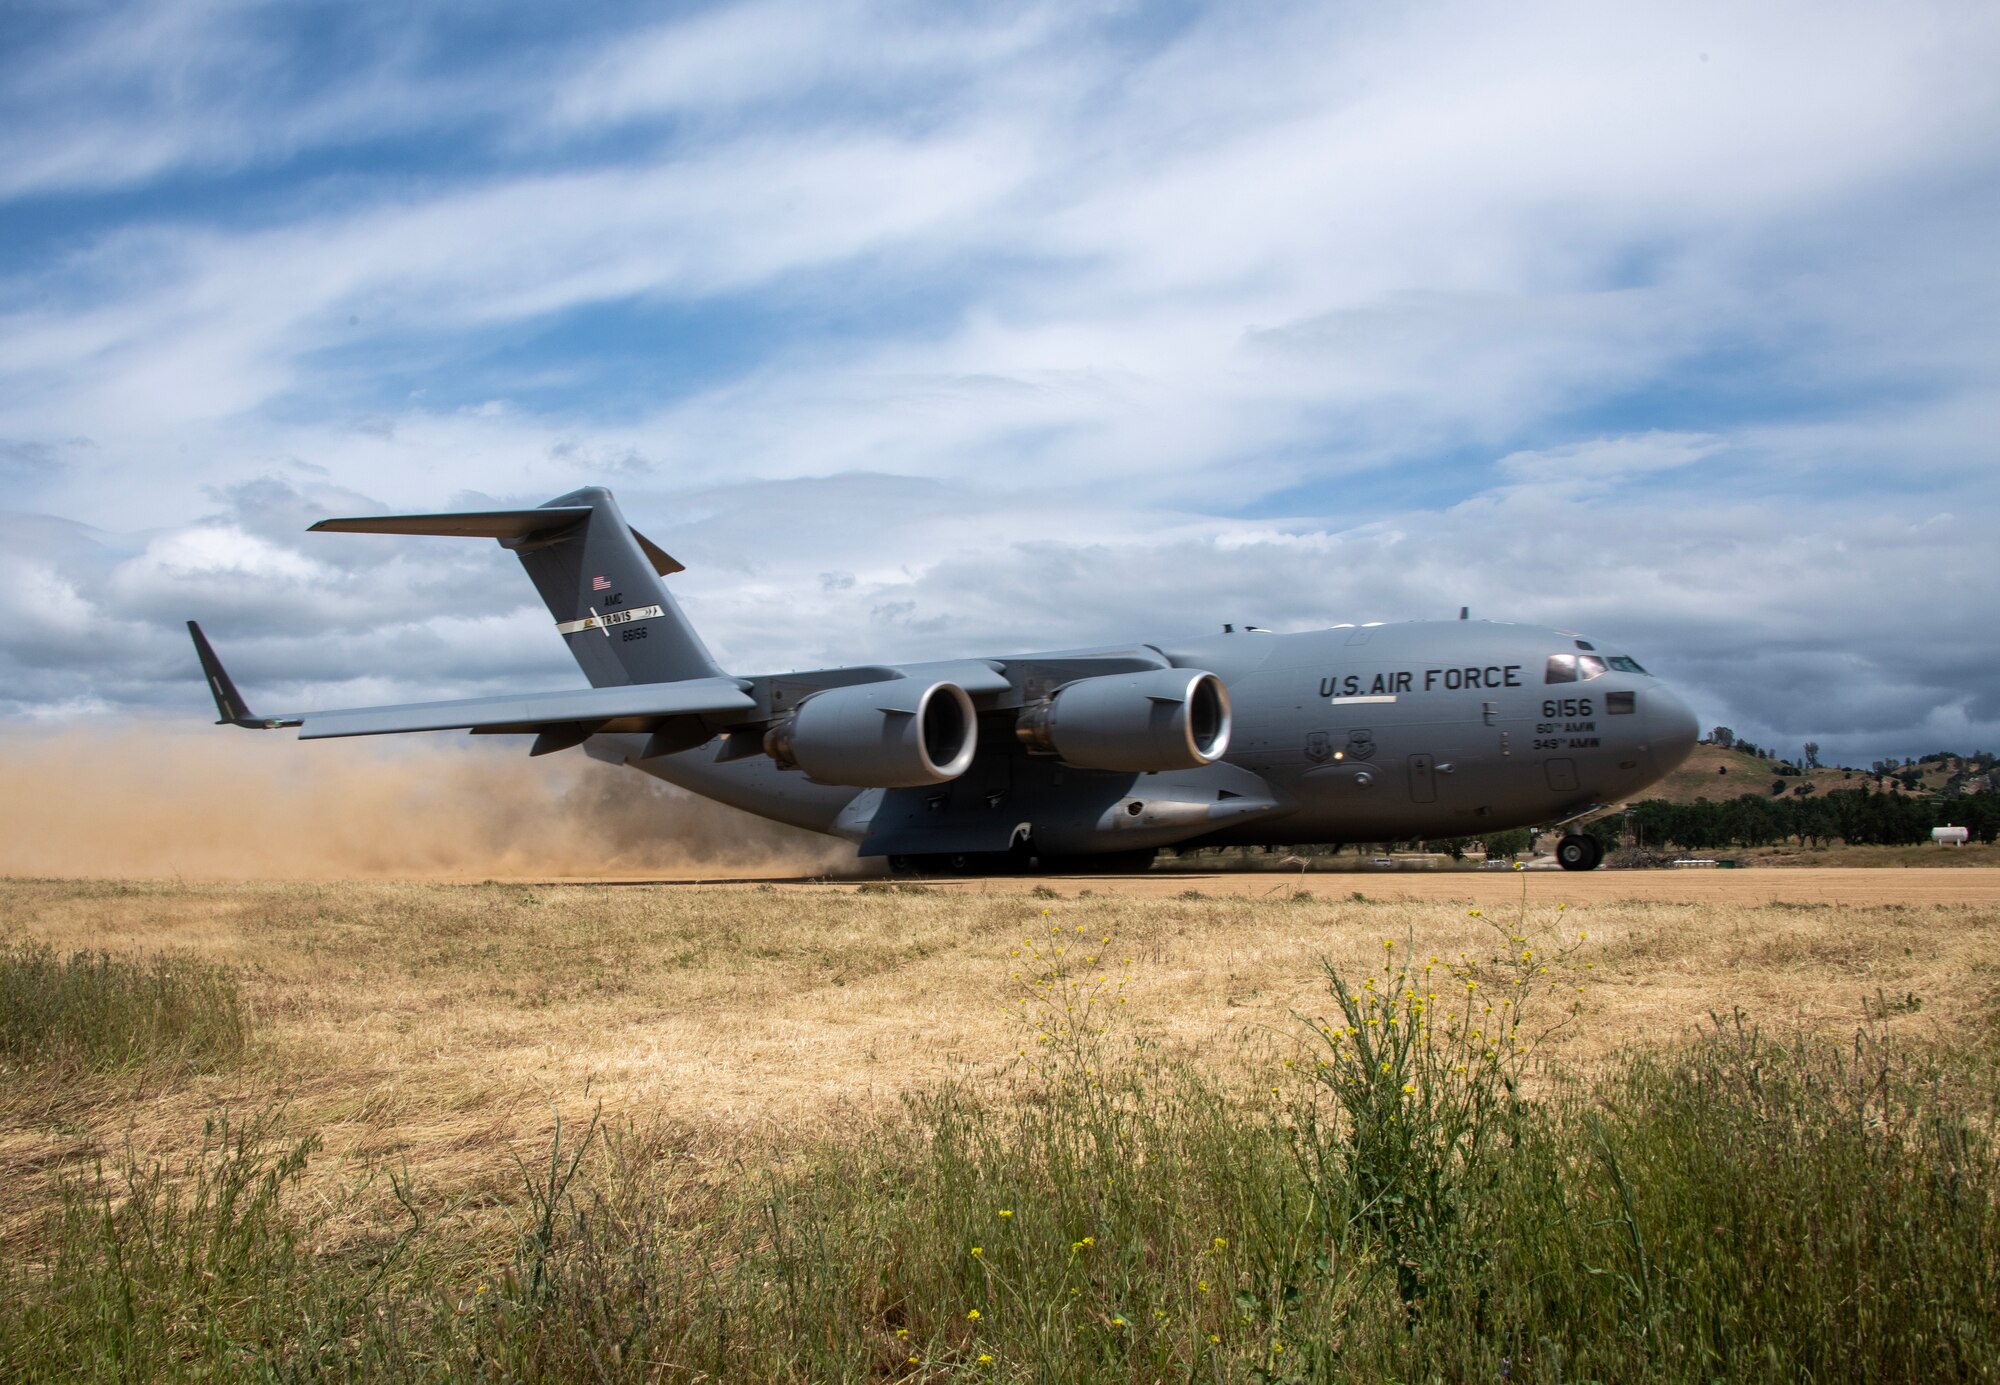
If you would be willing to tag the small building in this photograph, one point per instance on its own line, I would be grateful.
(1950, 836)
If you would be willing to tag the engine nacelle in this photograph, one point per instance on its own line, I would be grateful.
(893, 735)
(1162, 719)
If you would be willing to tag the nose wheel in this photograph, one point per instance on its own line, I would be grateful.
(1579, 852)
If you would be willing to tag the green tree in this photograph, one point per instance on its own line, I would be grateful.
(1608, 830)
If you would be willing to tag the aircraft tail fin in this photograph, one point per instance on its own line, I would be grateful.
(599, 577)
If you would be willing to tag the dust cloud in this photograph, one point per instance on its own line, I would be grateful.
(221, 804)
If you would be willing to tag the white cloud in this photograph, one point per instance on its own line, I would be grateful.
(741, 57)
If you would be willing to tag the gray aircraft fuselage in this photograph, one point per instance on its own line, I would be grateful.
(1358, 733)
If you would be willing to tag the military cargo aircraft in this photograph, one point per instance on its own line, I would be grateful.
(1075, 759)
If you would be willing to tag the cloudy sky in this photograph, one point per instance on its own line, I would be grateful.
(917, 330)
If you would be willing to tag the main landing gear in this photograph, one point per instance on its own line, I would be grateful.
(1579, 852)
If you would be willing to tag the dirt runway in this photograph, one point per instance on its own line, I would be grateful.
(1487, 889)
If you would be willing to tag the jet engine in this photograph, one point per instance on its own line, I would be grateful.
(1162, 719)
(892, 735)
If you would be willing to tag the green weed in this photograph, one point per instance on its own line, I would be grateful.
(98, 1011)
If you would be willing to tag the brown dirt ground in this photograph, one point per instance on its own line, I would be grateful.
(442, 1025)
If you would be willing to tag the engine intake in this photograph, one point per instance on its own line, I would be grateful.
(893, 735)
(1170, 718)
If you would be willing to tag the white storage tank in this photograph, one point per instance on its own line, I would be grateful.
(1950, 836)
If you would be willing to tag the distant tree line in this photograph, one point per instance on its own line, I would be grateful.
(1858, 817)
(1855, 816)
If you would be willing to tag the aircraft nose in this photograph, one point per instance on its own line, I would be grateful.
(1673, 732)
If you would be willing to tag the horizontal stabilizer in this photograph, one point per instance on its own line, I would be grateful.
(466, 524)
(517, 526)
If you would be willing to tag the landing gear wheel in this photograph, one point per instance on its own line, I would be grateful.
(1579, 852)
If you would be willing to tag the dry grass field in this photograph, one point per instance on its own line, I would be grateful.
(813, 1095)
(444, 1025)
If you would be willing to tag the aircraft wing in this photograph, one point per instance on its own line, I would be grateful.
(639, 707)
(991, 683)
(533, 711)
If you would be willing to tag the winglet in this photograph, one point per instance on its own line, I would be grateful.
(230, 708)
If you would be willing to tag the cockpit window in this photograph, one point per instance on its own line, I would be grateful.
(1625, 665)
(1585, 644)
(1574, 668)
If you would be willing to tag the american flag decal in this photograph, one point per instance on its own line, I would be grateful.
(600, 584)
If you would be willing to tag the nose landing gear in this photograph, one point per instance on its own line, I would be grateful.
(1579, 852)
